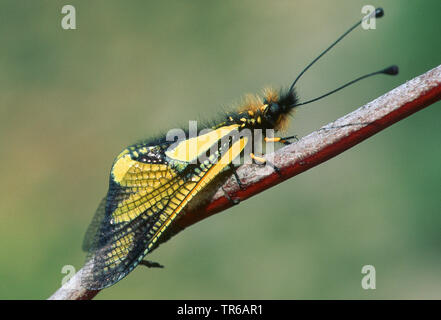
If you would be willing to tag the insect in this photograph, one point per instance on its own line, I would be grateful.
(153, 181)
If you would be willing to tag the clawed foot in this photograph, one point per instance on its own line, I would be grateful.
(232, 201)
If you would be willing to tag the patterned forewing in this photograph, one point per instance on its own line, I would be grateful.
(142, 201)
(138, 193)
(138, 208)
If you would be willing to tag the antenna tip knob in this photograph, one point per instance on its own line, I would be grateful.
(392, 70)
(379, 12)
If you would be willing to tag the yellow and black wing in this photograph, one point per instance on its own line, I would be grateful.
(149, 186)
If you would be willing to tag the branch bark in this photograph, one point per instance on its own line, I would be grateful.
(310, 151)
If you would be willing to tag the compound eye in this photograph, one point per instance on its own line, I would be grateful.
(274, 109)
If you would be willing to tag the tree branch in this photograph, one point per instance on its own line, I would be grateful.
(310, 151)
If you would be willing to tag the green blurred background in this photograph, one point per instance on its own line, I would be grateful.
(71, 100)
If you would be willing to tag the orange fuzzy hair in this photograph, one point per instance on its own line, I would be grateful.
(255, 109)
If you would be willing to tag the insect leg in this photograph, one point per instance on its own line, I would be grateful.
(231, 165)
(233, 201)
(151, 264)
(282, 140)
(263, 161)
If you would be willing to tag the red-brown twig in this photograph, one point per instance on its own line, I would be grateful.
(317, 147)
